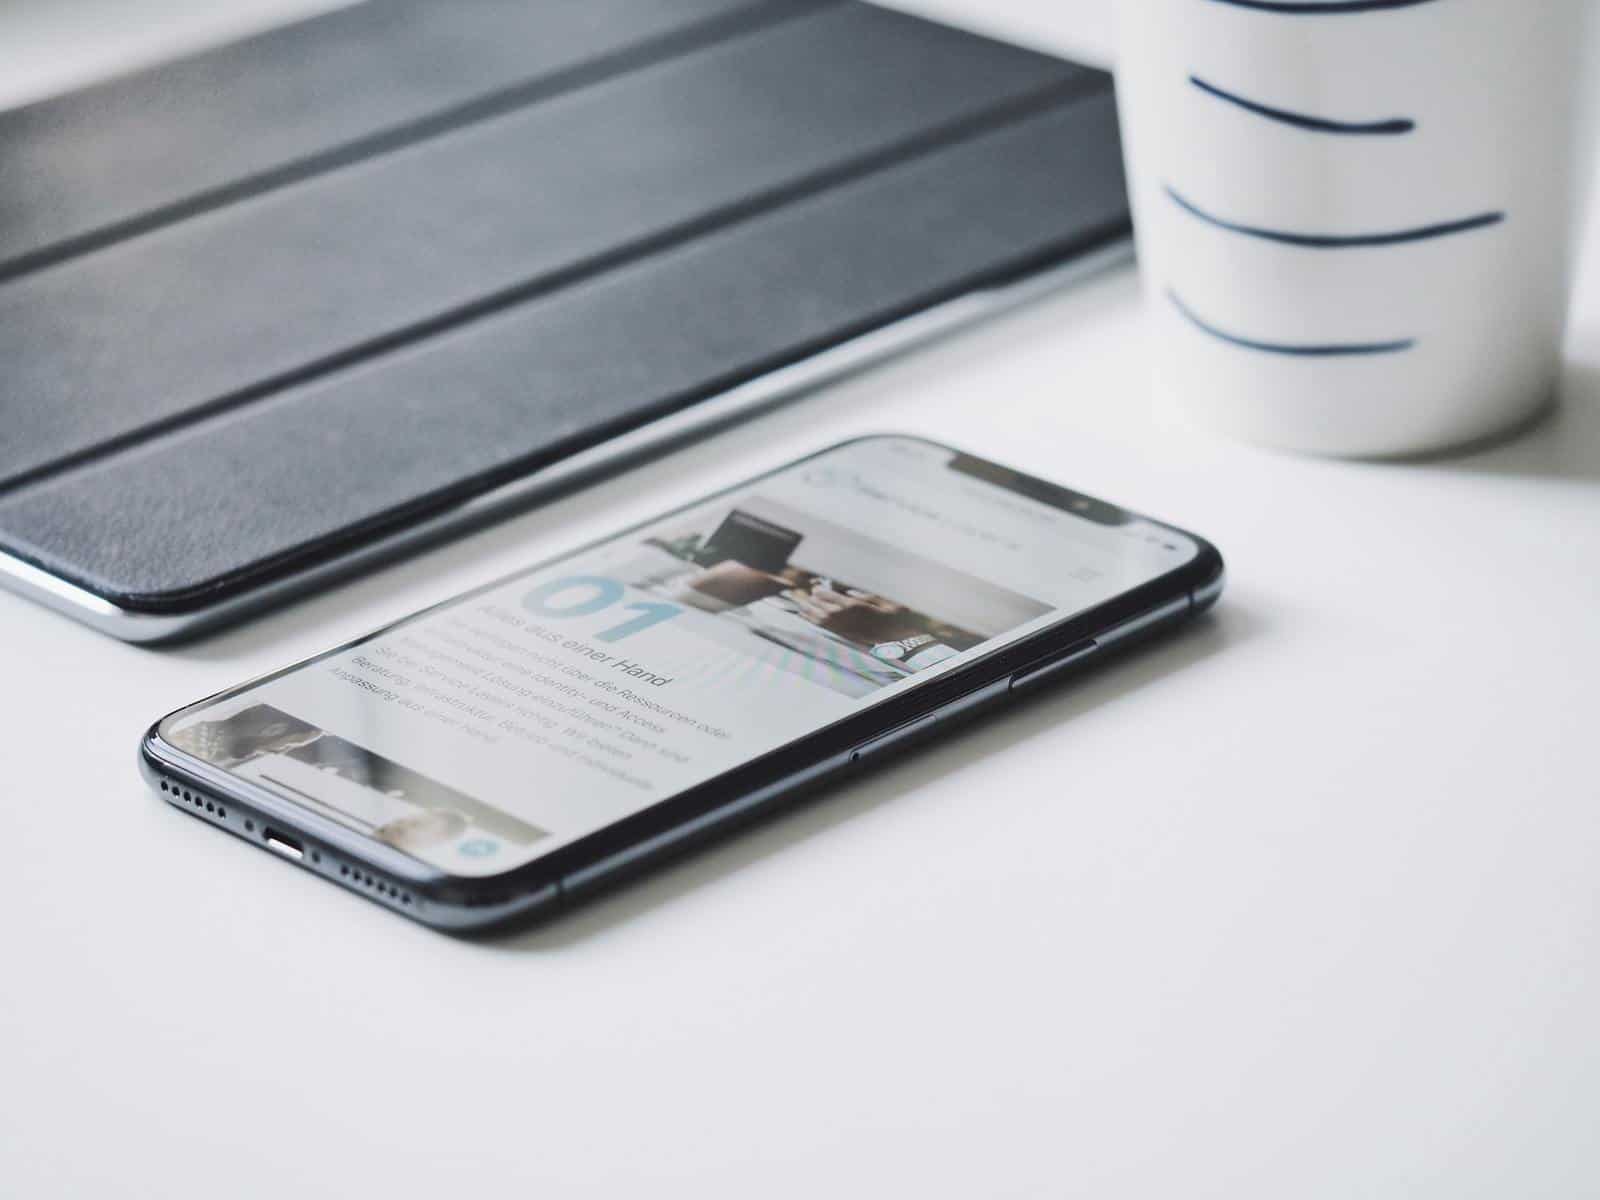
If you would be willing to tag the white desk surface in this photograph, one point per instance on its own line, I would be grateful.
(1305, 903)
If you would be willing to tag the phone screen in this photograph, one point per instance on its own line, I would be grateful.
(485, 732)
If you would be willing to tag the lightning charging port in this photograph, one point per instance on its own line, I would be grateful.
(285, 845)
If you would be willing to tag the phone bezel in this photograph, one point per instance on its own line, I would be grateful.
(785, 768)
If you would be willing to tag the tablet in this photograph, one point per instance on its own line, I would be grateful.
(279, 311)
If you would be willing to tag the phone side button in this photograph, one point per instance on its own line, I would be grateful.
(883, 741)
(1047, 668)
(968, 703)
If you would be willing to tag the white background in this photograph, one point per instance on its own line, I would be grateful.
(1305, 903)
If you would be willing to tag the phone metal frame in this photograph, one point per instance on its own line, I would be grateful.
(675, 823)
(587, 466)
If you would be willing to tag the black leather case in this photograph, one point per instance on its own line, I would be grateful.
(266, 304)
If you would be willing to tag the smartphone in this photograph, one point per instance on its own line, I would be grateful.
(505, 753)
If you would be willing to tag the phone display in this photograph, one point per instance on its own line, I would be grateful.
(488, 731)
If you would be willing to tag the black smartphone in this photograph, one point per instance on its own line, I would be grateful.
(506, 752)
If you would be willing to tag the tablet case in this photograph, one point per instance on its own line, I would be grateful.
(286, 297)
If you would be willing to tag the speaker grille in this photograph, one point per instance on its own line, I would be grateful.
(355, 876)
(193, 798)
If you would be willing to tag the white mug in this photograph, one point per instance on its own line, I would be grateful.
(1353, 216)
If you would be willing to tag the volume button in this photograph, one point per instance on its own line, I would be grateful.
(973, 700)
(1148, 622)
(883, 741)
(1047, 668)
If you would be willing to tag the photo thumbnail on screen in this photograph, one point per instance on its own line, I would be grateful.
(397, 805)
(854, 612)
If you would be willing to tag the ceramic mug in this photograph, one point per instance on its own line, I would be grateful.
(1354, 217)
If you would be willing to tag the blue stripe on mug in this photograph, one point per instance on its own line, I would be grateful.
(1295, 349)
(1338, 241)
(1318, 8)
(1390, 125)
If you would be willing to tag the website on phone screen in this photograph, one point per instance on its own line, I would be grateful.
(486, 732)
